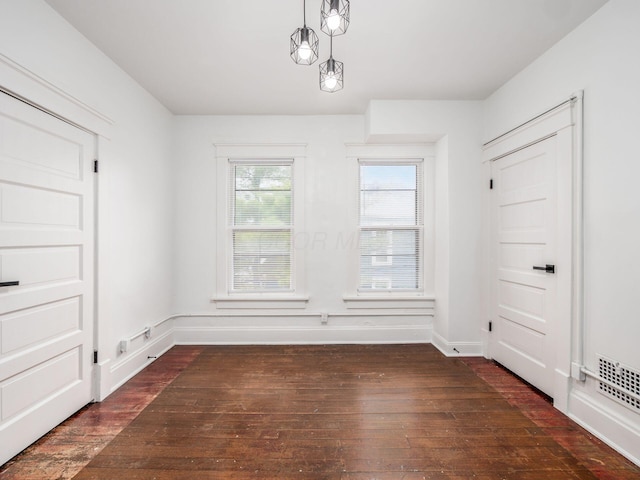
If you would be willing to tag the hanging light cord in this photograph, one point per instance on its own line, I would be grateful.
(304, 13)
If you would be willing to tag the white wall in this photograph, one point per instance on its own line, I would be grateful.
(329, 197)
(323, 244)
(460, 265)
(600, 57)
(135, 183)
(325, 209)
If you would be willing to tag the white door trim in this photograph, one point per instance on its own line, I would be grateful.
(49, 238)
(19, 81)
(565, 122)
(28, 86)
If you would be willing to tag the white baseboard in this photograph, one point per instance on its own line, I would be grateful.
(102, 380)
(212, 335)
(133, 362)
(619, 432)
(456, 349)
(299, 329)
(561, 390)
(485, 341)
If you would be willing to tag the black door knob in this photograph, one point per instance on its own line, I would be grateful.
(547, 268)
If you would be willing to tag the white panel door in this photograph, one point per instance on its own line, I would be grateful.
(524, 292)
(46, 244)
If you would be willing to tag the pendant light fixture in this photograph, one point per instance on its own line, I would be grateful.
(334, 16)
(304, 42)
(331, 73)
(334, 21)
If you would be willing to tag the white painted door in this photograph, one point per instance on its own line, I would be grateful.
(46, 244)
(524, 236)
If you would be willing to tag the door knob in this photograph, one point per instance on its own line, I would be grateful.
(547, 268)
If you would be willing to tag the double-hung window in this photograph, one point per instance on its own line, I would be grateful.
(259, 211)
(391, 224)
(261, 226)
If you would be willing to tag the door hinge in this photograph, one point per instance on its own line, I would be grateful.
(490, 326)
(491, 184)
(95, 166)
(95, 356)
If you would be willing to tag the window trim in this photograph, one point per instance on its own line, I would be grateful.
(226, 156)
(392, 154)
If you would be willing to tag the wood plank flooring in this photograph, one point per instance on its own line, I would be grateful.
(321, 412)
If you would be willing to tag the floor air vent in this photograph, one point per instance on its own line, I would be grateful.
(624, 379)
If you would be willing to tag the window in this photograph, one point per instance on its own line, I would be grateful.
(259, 210)
(261, 226)
(392, 216)
(390, 226)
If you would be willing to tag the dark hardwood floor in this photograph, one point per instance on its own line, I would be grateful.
(320, 412)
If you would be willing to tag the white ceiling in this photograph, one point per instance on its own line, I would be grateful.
(232, 56)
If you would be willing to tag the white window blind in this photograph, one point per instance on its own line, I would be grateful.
(261, 220)
(391, 226)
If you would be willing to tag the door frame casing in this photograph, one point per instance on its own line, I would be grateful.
(20, 82)
(68, 388)
(565, 123)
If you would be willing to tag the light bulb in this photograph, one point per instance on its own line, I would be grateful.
(330, 81)
(304, 51)
(333, 20)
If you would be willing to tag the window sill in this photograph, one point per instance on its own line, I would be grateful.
(260, 302)
(389, 300)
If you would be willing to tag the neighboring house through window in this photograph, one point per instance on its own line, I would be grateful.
(392, 211)
(390, 225)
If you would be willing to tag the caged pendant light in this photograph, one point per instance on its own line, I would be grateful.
(331, 74)
(334, 17)
(304, 42)
(334, 20)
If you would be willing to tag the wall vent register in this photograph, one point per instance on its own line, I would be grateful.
(624, 379)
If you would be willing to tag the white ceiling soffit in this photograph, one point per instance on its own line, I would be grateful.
(232, 56)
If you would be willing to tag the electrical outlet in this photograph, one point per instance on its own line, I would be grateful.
(324, 318)
(147, 333)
